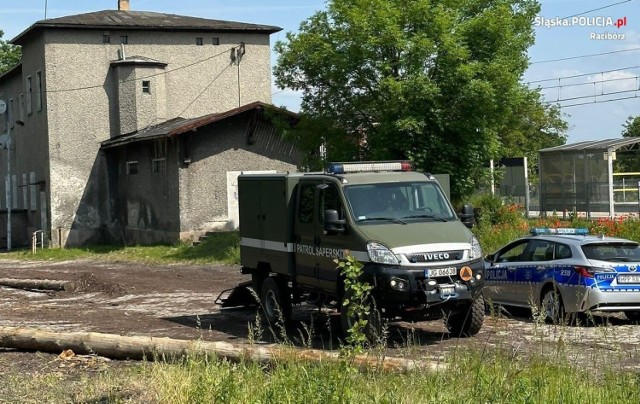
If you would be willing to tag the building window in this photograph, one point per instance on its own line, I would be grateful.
(146, 87)
(29, 90)
(124, 39)
(199, 41)
(215, 40)
(39, 95)
(132, 167)
(106, 38)
(158, 165)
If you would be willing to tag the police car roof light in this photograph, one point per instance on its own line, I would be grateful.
(536, 231)
(365, 166)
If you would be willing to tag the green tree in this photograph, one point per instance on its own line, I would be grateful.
(9, 54)
(631, 128)
(437, 82)
(627, 160)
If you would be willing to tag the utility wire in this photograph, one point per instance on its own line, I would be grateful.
(599, 8)
(134, 79)
(589, 83)
(582, 74)
(585, 56)
(593, 96)
(596, 102)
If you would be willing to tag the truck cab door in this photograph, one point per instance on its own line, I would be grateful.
(305, 236)
(333, 239)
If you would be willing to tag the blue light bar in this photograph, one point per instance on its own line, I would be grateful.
(368, 166)
(580, 231)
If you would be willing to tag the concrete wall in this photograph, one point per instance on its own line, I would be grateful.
(83, 108)
(216, 150)
(191, 196)
(30, 148)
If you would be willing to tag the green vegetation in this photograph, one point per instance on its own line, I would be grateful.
(471, 376)
(436, 82)
(219, 248)
(9, 55)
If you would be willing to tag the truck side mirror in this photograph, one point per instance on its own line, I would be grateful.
(333, 223)
(466, 216)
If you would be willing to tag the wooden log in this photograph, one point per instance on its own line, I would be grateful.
(39, 284)
(139, 347)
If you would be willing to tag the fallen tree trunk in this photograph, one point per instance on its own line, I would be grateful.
(40, 284)
(150, 348)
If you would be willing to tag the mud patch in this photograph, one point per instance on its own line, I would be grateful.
(89, 283)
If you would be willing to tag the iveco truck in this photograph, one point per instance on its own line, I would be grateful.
(421, 260)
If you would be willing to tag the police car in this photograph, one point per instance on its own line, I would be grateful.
(564, 271)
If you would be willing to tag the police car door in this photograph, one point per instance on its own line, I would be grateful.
(501, 275)
(531, 273)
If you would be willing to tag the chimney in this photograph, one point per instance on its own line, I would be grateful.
(123, 5)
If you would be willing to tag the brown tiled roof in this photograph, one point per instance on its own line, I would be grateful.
(177, 126)
(143, 20)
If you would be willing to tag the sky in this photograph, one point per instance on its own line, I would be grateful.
(589, 89)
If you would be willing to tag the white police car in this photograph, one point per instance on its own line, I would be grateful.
(566, 271)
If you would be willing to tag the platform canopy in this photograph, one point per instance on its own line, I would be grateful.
(580, 177)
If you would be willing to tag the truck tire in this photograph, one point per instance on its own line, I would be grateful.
(373, 329)
(275, 299)
(466, 320)
(633, 316)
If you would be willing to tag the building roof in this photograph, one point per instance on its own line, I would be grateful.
(595, 146)
(142, 20)
(178, 126)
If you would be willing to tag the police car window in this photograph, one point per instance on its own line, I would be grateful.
(612, 251)
(540, 250)
(513, 254)
(563, 251)
(305, 209)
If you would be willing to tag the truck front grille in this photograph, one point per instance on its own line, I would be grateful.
(438, 256)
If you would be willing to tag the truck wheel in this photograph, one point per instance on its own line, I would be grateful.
(552, 306)
(276, 300)
(373, 329)
(633, 316)
(466, 320)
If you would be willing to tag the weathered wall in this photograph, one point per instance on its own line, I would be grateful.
(220, 148)
(82, 102)
(30, 151)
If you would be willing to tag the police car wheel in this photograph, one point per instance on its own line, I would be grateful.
(275, 300)
(552, 306)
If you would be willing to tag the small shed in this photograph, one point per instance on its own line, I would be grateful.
(590, 178)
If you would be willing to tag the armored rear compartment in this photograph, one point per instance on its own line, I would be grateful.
(266, 230)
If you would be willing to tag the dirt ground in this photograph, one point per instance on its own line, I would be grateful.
(178, 301)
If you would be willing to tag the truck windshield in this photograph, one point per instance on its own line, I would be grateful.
(409, 201)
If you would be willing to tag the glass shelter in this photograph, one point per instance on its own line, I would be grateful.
(592, 178)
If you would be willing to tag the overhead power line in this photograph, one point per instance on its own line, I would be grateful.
(599, 8)
(590, 83)
(597, 101)
(583, 74)
(585, 56)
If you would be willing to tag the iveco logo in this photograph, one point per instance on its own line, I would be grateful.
(437, 256)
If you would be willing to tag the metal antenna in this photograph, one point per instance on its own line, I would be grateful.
(45, 9)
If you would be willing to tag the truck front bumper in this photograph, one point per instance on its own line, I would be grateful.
(400, 288)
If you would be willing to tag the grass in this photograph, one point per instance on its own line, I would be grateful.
(220, 248)
(472, 376)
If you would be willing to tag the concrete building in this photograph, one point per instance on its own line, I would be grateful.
(96, 92)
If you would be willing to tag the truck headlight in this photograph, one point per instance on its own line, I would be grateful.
(476, 250)
(380, 254)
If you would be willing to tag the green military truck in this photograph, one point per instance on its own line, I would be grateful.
(420, 258)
